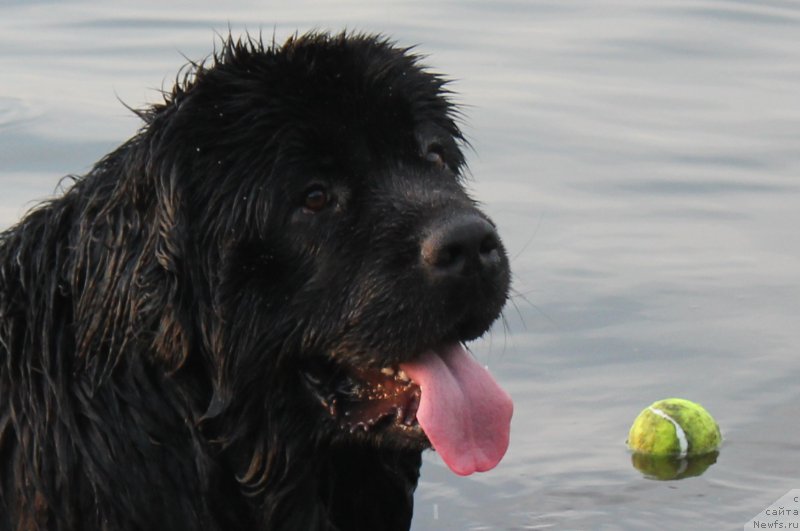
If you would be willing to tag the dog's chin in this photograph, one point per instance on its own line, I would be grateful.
(375, 404)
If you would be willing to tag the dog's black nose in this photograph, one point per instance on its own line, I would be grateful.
(463, 245)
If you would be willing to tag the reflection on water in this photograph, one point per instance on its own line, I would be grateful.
(642, 161)
(672, 467)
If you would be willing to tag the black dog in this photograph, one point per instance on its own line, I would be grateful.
(251, 314)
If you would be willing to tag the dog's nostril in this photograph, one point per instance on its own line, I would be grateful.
(447, 256)
(489, 251)
(489, 244)
(461, 245)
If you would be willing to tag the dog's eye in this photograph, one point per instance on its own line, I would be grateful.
(316, 199)
(435, 156)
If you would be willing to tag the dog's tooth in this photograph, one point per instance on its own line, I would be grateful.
(401, 374)
(411, 409)
(388, 371)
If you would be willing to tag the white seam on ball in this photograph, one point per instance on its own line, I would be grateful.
(679, 433)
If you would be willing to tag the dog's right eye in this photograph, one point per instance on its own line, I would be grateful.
(316, 199)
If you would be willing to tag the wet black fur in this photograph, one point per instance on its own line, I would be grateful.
(156, 318)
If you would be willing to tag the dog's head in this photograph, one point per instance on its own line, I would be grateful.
(317, 217)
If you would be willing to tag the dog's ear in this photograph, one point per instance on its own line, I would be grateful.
(171, 341)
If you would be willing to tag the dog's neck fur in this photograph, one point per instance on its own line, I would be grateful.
(292, 480)
(372, 489)
(346, 489)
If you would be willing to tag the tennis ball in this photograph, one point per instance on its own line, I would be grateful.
(675, 427)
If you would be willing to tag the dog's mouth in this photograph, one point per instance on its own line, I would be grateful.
(364, 399)
(443, 396)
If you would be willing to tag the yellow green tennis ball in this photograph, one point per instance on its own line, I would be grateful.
(674, 426)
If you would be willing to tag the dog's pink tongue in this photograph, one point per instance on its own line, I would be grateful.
(464, 413)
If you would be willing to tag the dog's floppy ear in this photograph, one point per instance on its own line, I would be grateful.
(171, 341)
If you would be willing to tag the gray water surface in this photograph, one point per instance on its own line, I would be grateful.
(642, 162)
